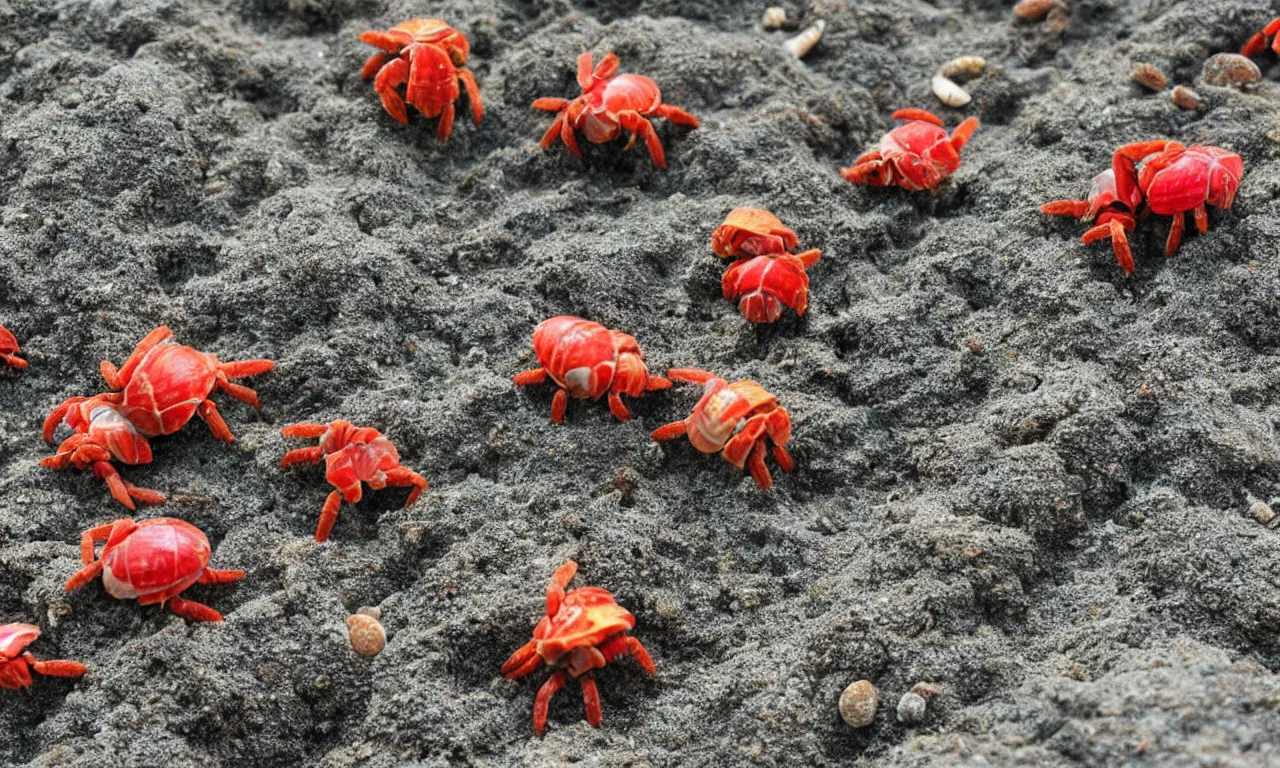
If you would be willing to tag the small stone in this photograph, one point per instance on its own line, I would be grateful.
(1261, 512)
(1229, 69)
(858, 704)
(911, 708)
(1149, 76)
(1185, 98)
(774, 17)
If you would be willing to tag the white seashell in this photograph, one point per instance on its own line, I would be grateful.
(801, 44)
(774, 17)
(951, 94)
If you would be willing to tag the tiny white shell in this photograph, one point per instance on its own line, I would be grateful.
(774, 17)
(951, 94)
(801, 44)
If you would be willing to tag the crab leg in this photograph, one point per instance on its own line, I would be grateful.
(305, 429)
(632, 121)
(676, 115)
(124, 492)
(917, 114)
(755, 465)
(626, 645)
(373, 64)
(385, 40)
(215, 576)
(310, 455)
(390, 77)
(670, 431)
(1076, 209)
(543, 700)
(1119, 242)
(445, 126)
(1175, 233)
(523, 661)
(56, 667)
(189, 609)
(208, 411)
(963, 132)
(690, 375)
(329, 515)
(555, 588)
(1202, 218)
(591, 700)
(559, 403)
(468, 81)
(406, 476)
(116, 379)
(618, 408)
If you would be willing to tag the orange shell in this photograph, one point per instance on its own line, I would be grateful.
(751, 232)
(368, 638)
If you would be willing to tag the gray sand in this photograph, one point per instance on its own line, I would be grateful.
(1022, 476)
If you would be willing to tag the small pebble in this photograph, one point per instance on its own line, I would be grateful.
(927, 690)
(801, 44)
(963, 68)
(1035, 10)
(858, 704)
(774, 17)
(368, 638)
(1261, 512)
(911, 708)
(949, 93)
(1185, 98)
(1229, 69)
(1149, 76)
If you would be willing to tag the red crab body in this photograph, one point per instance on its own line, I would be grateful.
(714, 424)
(353, 455)
(773, 278)
(1111, 214)
(764, 284)
(918, 154)
(610, 103)
(1258, 42)
(427, 57)
(151, 562)
(584, 630)
(1176, 180)
(17, 664)
(102, 434)
(9, 346)
(587, 360)
(164, 384)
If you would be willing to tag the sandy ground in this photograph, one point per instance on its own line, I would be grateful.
(1022, 476)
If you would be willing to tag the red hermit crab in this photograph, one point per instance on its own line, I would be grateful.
(587, 360)
(724, 408)
(165, 384)
(610, 103)
(1176, 180)
(772, 277)
(428, 55)
(17, 664)
(918, 154)
(1259, 40)
(152, 561)
(352, 455)
(1111, 215)
(102, 434)
(8, 346)
(584, 629)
